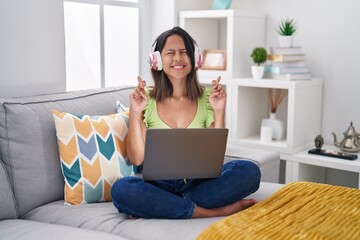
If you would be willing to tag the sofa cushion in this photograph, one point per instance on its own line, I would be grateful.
(105, 217)
(7, 200)
(28, 143)
(17, 229)
(92, 154)
(268, 161)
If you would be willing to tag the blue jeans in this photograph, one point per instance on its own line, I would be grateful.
(176, 199)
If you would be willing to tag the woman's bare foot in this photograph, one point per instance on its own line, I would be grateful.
(225, 210)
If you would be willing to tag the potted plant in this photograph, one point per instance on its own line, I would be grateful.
(286, 30)
(259, 56)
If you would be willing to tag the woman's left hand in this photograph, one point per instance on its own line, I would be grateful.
(217, 96)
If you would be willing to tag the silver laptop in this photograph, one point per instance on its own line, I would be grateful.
(184, 153)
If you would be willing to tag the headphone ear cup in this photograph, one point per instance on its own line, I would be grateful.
(155, 61)
(198, 60)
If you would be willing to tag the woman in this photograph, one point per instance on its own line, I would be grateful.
(177, 100)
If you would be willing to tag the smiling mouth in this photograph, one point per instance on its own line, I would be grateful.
(178, 66)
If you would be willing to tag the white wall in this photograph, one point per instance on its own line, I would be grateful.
(329, 33)
(32, 52)
(164, 13)
(32, 48)
(163, 16)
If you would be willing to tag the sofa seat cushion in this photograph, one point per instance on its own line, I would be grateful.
(268, 161)
(17, 229)
(92, 154)
(104, 217)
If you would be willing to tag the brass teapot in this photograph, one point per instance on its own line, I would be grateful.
(351, 141)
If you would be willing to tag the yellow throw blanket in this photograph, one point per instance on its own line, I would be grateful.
(299, 210)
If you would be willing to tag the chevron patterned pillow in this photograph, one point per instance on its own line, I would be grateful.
(92, 154)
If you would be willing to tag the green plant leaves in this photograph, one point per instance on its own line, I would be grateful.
(259, 55)
(287, 27)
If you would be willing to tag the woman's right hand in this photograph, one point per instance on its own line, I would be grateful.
(135, 142)
(138, 98)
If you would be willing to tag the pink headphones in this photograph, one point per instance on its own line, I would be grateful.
(156, 63)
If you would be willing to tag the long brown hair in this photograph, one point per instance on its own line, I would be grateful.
(162, 85)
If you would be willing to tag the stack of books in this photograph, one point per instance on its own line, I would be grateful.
(287, 64)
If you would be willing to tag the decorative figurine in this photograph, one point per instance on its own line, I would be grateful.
(351, 141)
(319, 141)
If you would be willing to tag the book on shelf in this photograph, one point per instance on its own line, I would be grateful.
(288, 64)
(289, 76)
(278, 69)
(285, 50)
(285, 58)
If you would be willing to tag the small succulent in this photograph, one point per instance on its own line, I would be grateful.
(259, 55)
(287, 27)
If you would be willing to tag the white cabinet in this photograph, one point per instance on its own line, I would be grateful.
(303, 166)
(300, 110)
(247, 105)
(237, 32)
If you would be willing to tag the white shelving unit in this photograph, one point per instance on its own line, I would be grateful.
(237, 32)
(300, 110)
(247, 105)
(303, 166)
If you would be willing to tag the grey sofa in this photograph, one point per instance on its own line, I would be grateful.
(32, 186)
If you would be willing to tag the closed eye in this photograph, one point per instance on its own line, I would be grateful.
(170, 52)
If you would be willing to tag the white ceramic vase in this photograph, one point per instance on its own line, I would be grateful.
(285, 41)
(257, 72)
(278, 126)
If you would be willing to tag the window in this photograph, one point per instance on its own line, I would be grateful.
(102, 43)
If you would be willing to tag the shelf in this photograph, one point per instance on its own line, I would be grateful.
(277, 146)
(263, 83)
(247, 105)
(324, 161)
(237, 32)
(303, 166)
(219, 14)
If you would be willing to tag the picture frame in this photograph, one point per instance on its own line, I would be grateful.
(214, 60)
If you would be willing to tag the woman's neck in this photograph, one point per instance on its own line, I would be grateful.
(179, 88)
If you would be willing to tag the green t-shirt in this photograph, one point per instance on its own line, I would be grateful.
(203, 119)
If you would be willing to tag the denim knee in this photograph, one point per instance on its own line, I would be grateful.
(249, 174)
(254, 174)
(120, 191)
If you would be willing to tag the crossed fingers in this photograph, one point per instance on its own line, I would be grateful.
(140, 88)
(217, 88)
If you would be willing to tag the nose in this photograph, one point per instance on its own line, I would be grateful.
(177, 56)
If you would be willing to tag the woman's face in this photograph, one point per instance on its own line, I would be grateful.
(176, 62)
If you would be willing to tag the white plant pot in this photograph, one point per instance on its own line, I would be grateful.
(277, 126)
(257, 72)
(285, 41)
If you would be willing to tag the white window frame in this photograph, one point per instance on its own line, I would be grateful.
(144, 31)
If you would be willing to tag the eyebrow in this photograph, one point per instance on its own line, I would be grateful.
(173, 50)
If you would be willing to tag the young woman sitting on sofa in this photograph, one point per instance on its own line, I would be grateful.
(173, 103)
